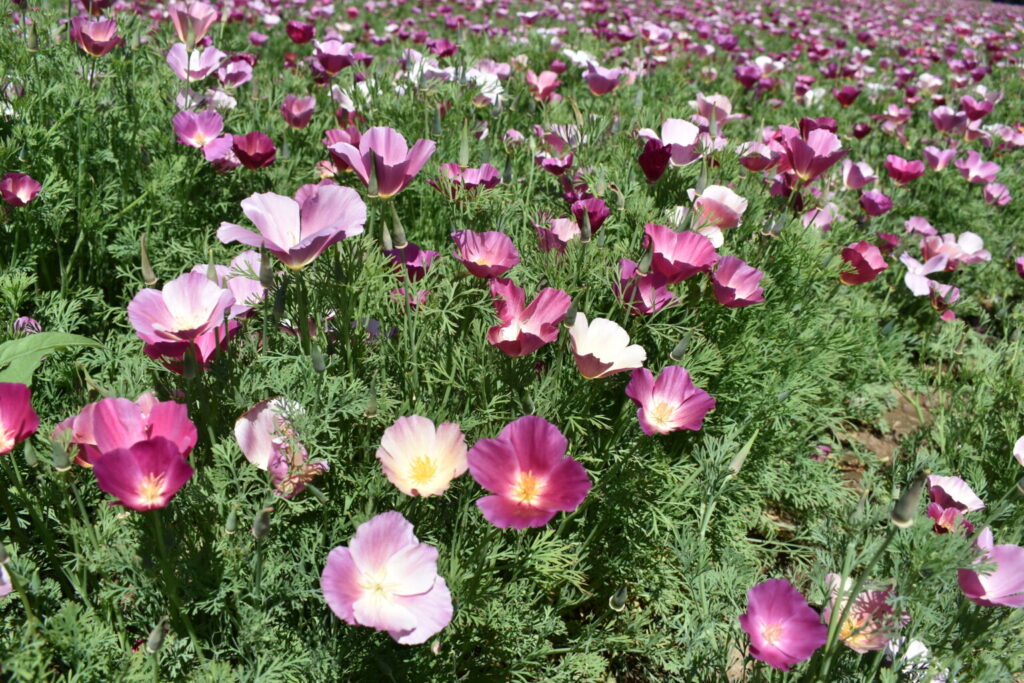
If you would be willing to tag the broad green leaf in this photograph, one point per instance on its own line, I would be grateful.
(19, 358)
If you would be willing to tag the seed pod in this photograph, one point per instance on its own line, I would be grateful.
(261, 523)
(156, 637)
(232, 523)
(316, 356)
(397, 231)
(148, 276)
(905, 510)
(60, 457)
(618, 599)
(679, 350)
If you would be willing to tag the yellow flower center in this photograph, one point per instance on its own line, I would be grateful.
(771, 633)
(662, 413)
(528, 488)
(200, 139)
(423, 470)
(151, 490)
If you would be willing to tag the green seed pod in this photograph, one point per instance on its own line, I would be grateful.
(156, 637)
(618, 599)
(316, 356)
(60, 457)
(261, 523)
(148, 276)
(905, 510)
(232, 523)
(679, 350)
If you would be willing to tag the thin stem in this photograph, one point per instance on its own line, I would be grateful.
(171, 579)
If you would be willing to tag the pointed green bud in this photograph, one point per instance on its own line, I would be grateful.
(385, 237)
(232, 522)
(372, 186)
(59, 454)
(317, 493)
(618, 599)
(644, 266)
(506, 173)
(464, 145)
(679, 350)
(736, 464)
(156, 637)
(585, 231)
(1020, 487)
(570, 315)
(266, 269)
(905, 510)
(32, 39)
(316, 356)
(31, 459)
(435, 123)
(397, 232)
(148, 276)
(261, 523)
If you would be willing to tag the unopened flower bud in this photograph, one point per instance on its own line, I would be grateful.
(570, 315)
(279, 300)
(148, 276)
(1020, 487)
(232, 522)
(261, 523)
(435, 123)
(905, 510)
(316, 356)
(464, 147)
(506, 173)
(32, 39)
(317, 493)
(397, 231)
(644, 266)
(372, 186)
(266, 269)
(371, 404)
(618, 599)
(435, 647)
(31, 459)
(679, 350)
(156, 637)
(385, 237)
(60, 456)
(585, 231)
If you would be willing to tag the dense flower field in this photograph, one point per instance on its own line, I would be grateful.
(481, 340)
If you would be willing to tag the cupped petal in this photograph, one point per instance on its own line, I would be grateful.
(432, 610)
(378, 539)
(339, 582)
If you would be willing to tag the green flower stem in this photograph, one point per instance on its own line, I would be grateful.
(171, 582)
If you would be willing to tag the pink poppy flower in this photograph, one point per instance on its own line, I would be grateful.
(1002, 586)
(333, 55)
(948, 121)
(145, 476)
(942, 297)
(485, 254)
(201, 350)
(236, 71)
(915, 279)
(113, 423)
(679, 137)
(197, 129)
(867, 262)
(18, 189)
(298, 230)
(18, 420)
(669, 403)
(192, 21)
(528, 474)
(592, 210)
(966, 249)
(241, 278)
(602, 81)
(601, 348)
(349, 135)
(96, 37)
(938, 159)
(383, 161)
(299, 31)
(220, 152)
(556, 233)
(875, 202)
(678, 255)
(457, 181)
(554, 165)
(254, 150)
(997, 194)
(187, 307)
(642, 293)
(716, 109)
(542, 86)
(387, 580)
(194, 66)
(951, 499)
(757, 156)
(524, 329)
(857, 175)
(809, 158)
(846, 95)
(268, 440)
(413, 260)
(784, 630)
(718, 208)
(919, 225)
(737, 284)
(976, 170)
(419, 459)
(297, 111)
(902, 171)
(871, 621)
(974, 109)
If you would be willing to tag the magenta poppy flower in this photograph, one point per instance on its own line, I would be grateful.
(268, 440)
(194, 66)
(678, 255)
(997, 194)
(642, 294)
(938, 159)
(975, 169)
(203, 349)
(414, 260)
(528, 474)
(96, 37)
(485, 254)
(919, 225)
(298, 230)
(784, 630)
(349, 135)
(1002, 586)
(716, 110)
(192, 21)
(951, 498)
(187, 307)
(654, 160)
(966, 249)
(679, 137)
(736, 284)
(902, 171)
(197, 129)
(601, 348)
(235, 71)
(220, 152)
(145, 476)
(669, 403)
(113, 423)
(419, 459)
(974, 109)
(1020, 271)
(383, 161)
(254, 150)
(299, 31)
(870, 622)
(846, 95)
(556, 233)
(809, 158)
(333, 55)
(867, 262)
(387, 580)
(875, 202)
(757, 156)
(18, 420)
(948, 121)
(18, 189)
(542, 86)
(718, 208)
(602, 81)
(524, 329)
(456, 180)
(915, 279)
(297, 111)
(594, 209)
